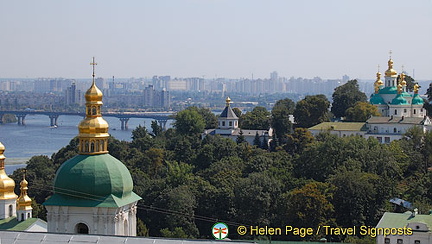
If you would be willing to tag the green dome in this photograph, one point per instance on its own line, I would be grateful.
(417, 100)
(377, 99)
(388, 90)
(93, 181)
(399, 100)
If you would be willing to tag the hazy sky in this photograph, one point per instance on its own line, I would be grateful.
(214, 38)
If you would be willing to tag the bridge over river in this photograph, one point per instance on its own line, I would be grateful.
(160, 117)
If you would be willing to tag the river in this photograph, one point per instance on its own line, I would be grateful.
(38, 138)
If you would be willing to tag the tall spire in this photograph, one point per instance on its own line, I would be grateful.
(7, 185)
(93, 130)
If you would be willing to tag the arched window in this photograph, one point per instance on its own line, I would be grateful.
(395, 111)
(28, 215)
(81, 228)
(22, 216)
(10, 210)
(230, 123)
(86, 146)
(103, 145)
(394, 130)
(223, 123)
(415, 111)
(93, 111)
(92, 147)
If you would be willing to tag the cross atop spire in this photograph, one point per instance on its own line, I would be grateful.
(94, 64)
(390, 53)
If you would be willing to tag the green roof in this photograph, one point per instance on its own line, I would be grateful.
(346, 126)
(417, 100)
(377, 99)
(400, 220)
(12, 223)
(399, 100)
(388, 90)
(93, 181)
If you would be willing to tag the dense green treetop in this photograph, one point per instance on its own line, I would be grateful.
(361, 112)
(280, 117)
(311, 111)
(257, 119)
(345, 96)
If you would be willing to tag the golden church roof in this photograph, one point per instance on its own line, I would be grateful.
(24, 201)
(7, 185)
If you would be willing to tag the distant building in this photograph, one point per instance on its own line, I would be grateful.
(156, 99)
(73, 95)
(228, 126)
(420, 225)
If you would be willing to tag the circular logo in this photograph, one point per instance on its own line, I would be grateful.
(220, 231)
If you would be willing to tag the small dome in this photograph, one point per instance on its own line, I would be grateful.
(93, 94)
(24, 201)
(417, 100)
(390, 72)
(96, 180)
(399, 100)
(377, 99)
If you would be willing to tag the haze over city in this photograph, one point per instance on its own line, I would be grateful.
(214, 38)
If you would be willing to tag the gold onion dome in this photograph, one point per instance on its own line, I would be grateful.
(24, 201)
(402, 78)
(7, 185)
(228, 101)
(390, 72)
(93, 130)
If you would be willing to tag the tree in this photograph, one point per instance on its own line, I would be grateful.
(189, 122)
(240, 137)
(345, 96)
(237, 112)
(298, 141)
(139, 132)
(257, 119)
(257, 140)
(156, 129)
(361, 112)
(310, 206)
(280, 117)
(311, 111)
(209, 118)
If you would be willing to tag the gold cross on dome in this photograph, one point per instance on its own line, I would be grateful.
(94, 64)
(390, 53)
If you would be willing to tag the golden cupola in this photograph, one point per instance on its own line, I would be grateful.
(390, 72)
(378, 83)
(7, 185)
(93, 130)
(24, 201)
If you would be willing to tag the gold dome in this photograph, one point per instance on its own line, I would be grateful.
(390, 72)
(228, 101)
(7, 185)
(402, 79)
(93, 130)
(24, 201)
(93, 94)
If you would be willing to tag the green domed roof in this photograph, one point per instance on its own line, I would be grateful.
(93, 181)
(388, 90)
(377, 99)
(417, 100)
(399, 100)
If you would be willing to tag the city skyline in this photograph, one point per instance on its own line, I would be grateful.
(214, 38)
